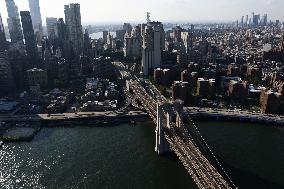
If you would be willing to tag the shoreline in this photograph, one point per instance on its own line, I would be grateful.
(108, 121)
(234, 115)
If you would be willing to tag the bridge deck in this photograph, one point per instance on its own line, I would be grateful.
(198, 166)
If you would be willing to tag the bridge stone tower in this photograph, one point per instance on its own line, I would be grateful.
(162, 145)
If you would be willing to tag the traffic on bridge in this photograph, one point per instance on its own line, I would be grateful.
(173, 135)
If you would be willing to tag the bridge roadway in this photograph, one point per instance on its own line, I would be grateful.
(198, 166)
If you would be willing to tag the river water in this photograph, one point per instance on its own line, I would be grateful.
(124, 157)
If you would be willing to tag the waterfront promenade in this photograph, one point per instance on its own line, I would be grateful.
(107, 115)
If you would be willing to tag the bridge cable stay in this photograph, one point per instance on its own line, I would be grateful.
(209, 151)
(193, 160)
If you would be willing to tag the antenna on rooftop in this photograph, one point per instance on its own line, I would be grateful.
(148, 17)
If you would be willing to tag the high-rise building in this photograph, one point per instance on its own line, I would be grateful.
(3, 42)
(36, 18)
(246, 21)
(177, 33)
(74, 27)
(105, 33)
(30, 39)
(153, 43)
(242, 21)
(87, 44)
(14, 23)
(109, 42)
(133, 43)
(51, 26)
(6, 78)
(265, 19)
(186, 37)
(62, 35)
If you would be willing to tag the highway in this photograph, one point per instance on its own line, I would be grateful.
(236, 114)
(70, 116)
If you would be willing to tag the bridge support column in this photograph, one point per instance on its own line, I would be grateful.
(162, 145)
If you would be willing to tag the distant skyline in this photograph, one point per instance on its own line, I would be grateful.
(111, 11)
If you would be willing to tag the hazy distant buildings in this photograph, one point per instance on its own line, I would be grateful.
(14, 23)
(36, 18)
(3, 42)
(254, 21)
(105, 33)
(153, 43)
(51, 26)
(30, 39)
(264, 20)
(127, 27)
(74, 27)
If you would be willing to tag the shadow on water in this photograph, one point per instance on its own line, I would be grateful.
(247, 180)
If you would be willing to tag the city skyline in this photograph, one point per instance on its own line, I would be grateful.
(182, 10)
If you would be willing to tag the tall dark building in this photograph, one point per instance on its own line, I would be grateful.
(6, 78)
(74, 27)
(3, 42)
(30, 39)
(63, 42)
(87, 44)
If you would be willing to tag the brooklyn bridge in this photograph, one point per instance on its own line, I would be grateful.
(184, 139)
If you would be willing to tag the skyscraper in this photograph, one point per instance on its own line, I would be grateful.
(133, 43)
(265, 19)
(30, 40)
(74, 27)
(246, 21)
(153, 43)
(242, 21)
(6, 77)
(14, 23)
(51, 26)
(62, 36)
(3, 42)
(36, 18)
(87, 44)
(105, 33)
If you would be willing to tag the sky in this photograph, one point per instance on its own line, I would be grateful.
(111, 11)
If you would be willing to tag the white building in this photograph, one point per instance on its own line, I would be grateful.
(153, 43)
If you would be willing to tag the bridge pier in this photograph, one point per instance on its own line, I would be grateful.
(161, 146)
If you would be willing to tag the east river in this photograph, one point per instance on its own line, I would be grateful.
(123, 157)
